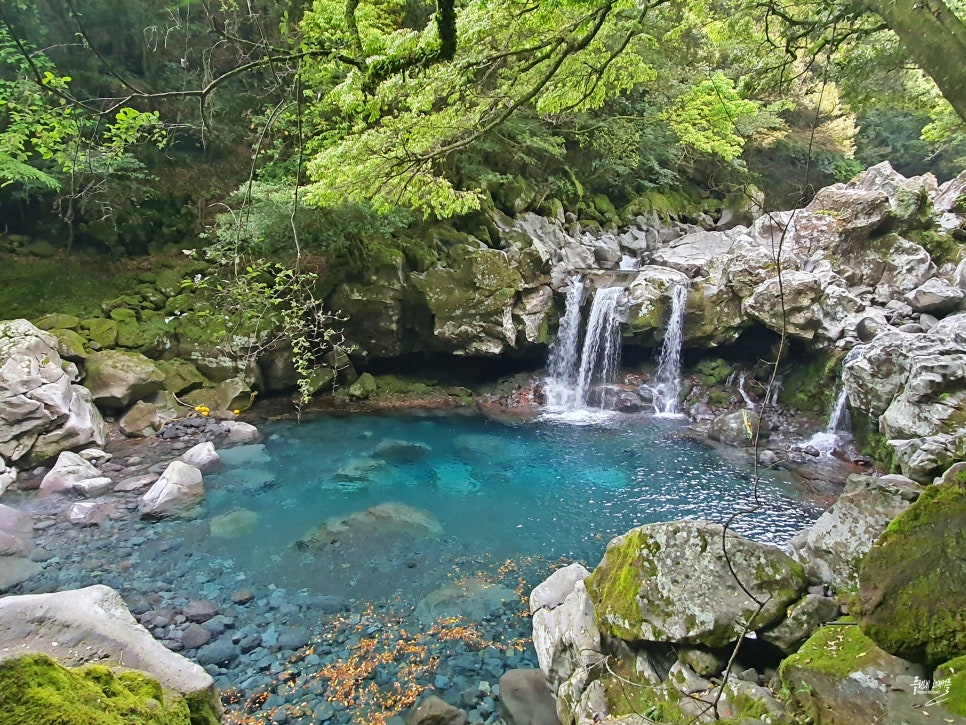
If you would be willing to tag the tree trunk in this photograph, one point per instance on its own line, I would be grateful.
(935, 39)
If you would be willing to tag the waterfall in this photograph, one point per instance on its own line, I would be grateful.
(838, 419)
(600, 358)
(837, 428)
(576, 370)
(776, 388)
(667, 387)
(563, 361)
(749, 403)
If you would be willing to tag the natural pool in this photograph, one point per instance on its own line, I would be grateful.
(381, 556)
(507, 491)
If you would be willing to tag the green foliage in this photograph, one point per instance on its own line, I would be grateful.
(709, 118)
(265, 304)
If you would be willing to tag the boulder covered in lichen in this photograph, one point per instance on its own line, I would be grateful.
(688, 582)
(912, 584)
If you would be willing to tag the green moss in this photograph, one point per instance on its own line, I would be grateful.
(713, 371)
(39, 691)
(837, 650)
(810, 387)
(941, 247)
(912, 583)
(616, 582)
(872, 443)
(395, 385)
(955, 671)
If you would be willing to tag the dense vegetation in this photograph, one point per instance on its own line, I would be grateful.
(134, 124)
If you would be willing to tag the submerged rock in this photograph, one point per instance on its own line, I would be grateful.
(234, 524)
(672, 582)
(381, 521)
(474, 600)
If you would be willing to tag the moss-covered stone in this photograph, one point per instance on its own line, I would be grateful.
(39, 691)
(840, 677)
(955, 672)
(363, 388)
(58, 321)
(181, 376)
(672, 582)
(70, 344)
(101, 331)
(912, 583)
(810, 387)
(713, 371)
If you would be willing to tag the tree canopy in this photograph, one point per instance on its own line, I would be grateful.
(429, 105)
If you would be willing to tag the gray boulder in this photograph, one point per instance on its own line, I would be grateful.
(527, 698)
(179, 488)
(42, 411)
(8, 476)
(71, 473)
(835, 544)
(566, 637)
(935, 296)
(202, 456)
(672, 582)
(117, 378)
(93, 625)
(434, 711)
(740, 428)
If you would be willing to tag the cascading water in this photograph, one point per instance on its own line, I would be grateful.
(577, 372)
(838, 420)
(564, 359)
(600, 358)
(667, 388)
(749, 403)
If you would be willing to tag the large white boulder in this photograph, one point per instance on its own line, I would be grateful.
(93, 625)
(117, 378)
(42, 411)
(179, 488)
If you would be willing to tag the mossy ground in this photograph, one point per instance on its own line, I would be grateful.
(837, 649)
(38, 691)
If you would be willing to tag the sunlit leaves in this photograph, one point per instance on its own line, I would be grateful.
(709, 118)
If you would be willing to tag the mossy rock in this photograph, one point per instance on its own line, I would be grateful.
(129, 302)
(810, 387)
(39, 691)
(181, 376)
(57, 321)
(363, 388)
(671, 582)
(714, 371)
(955, 672)
(912, 583)
(840, 677)
(101, 331)
(71, 345)
(395, 385)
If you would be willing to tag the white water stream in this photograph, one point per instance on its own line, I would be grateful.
(667, 387)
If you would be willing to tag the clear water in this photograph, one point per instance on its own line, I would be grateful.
(504, 491)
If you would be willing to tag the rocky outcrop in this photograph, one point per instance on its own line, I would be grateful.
(93, 625)
(834, 546)
(72, 472)
(42, 410)
(16, 544)
(912, 583)
(673, 582)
